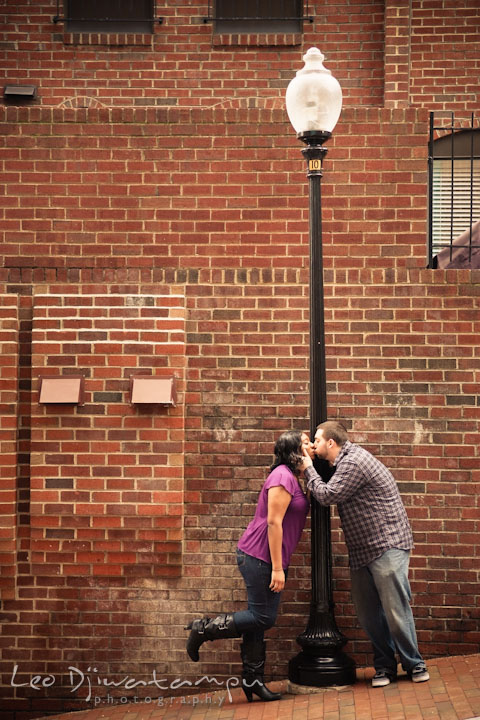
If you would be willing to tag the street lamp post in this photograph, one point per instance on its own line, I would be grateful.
(314, 102)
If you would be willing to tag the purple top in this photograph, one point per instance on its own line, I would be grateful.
(254, 540)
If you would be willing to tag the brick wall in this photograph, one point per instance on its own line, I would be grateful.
(107, 476)
(394, 53)
(445, 50)
(221, 217)
(127, 189)
(184, 63)
(404, 377)
(8, 443)
(112, 212)
(398, 16)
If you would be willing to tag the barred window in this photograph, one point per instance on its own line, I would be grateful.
(454, 195)
(257, 16)
(109, 16)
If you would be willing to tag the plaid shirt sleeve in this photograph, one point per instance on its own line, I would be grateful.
(372, 513)
(346, 481)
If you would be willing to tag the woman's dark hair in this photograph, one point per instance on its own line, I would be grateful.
(288, 451)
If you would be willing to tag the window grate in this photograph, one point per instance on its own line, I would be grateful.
(240, 11)
(454, 192)
(102, 12)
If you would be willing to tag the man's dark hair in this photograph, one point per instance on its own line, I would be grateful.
(333, 430)
(288, 451)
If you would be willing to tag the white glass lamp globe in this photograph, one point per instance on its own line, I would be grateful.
(314, 97)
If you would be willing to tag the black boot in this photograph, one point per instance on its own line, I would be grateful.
(207, 628)
(253, 659)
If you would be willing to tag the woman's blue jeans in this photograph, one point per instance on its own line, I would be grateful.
(262, 610)
(381, 594)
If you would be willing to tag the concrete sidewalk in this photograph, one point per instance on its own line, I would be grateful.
(453, 693)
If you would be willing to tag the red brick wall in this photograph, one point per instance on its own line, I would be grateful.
(107, 476)
(445, 52)
(8, 443)
(210, 203)
(183, 62)
(398, 17)
(127, 189)
(197, 202)
(391, 53)
(403, 373)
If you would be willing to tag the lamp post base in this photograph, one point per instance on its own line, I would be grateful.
(305, 669)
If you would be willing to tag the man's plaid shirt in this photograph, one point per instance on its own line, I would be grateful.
(371, 510)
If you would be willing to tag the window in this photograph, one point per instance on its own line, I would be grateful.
(108, 16)
(257, 16)
(454, 196)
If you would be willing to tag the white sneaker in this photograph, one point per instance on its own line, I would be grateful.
(383, 678)
(419, 674)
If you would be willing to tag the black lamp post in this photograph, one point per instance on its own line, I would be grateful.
(314, 102)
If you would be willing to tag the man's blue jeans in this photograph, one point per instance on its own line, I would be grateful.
(262, 602)
(381, 594)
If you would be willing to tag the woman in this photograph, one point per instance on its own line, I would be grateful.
(263, 555)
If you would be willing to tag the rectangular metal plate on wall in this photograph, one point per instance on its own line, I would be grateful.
(148, 389)
(62, 390)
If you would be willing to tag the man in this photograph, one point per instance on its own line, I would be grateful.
(379, 540)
